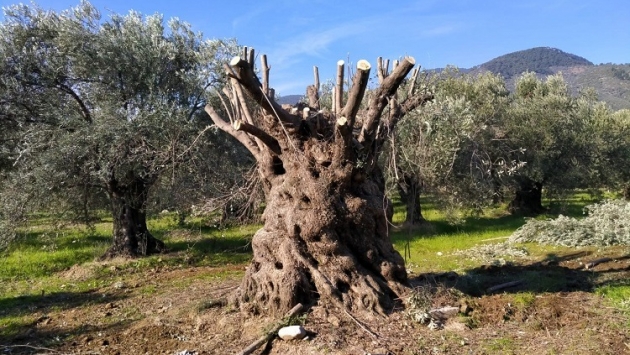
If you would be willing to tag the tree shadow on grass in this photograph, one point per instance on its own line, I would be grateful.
(547, 275)
(39, 240)
(200, 247)
(470, 225)
(31, 305)
(35, 339)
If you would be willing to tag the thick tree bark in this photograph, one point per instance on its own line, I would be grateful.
(325, 236)
(131, 237)
(325, 239)
(527, 200)
(409, 189)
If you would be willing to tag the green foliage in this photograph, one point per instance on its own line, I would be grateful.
(451, 145)
(554, 132)
(111, 107)
(607, 223)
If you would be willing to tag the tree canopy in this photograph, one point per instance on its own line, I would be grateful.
(106, 106)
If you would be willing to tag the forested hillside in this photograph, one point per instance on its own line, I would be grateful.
(610, 81)
(540, 60)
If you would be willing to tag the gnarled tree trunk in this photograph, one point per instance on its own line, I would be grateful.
(527, 200)
(131, 237)
(325, 236)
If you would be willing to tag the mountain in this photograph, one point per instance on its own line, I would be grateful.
(540, 60)
(290, 99)
(610, 81)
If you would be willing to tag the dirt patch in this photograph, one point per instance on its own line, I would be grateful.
(169, 310)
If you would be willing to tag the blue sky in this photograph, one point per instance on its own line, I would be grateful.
(297, 34)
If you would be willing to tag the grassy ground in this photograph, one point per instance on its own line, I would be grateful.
(53, 270)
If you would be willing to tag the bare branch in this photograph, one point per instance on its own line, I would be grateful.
(355, 96)
(251, 58)
(386, 90)
(246, 77)
(316, 76)
(412, 81)
(414, 102)
(226, 92)
(312, 91)
(339, 88)
(85, 112)
(265, 75)
(380, 70)
(240, 136)
(269, 141)
(241, 101)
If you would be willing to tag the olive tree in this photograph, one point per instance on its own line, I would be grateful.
(453, 147)
(555, 136)
(107, 106)
(325, 235)
(612, 133)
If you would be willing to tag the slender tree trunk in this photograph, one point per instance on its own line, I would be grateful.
(409, 188)
(527, 199)
(626, 192)
(131, 237)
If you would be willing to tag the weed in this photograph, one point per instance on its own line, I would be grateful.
(524, 300)
(502, 345)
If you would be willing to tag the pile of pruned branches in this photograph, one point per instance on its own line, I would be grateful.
(607, 223)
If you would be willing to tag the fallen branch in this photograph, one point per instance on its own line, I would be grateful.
(596, 262)
(269, 336)
(374, 335)
(504, 285)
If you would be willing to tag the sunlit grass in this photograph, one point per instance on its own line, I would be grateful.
(430, 248)
(617, 294)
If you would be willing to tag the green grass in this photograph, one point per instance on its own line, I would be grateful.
(501, 346)
(29, 269)
(618, 294)
(430, 248)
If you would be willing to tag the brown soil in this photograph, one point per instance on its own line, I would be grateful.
(169, 310)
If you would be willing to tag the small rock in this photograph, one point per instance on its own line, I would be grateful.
(444, 312)
(186, 352)
(292, 332)
(435, 325)
(118, 285)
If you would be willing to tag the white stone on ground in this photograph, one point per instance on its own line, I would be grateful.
(292, 332)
